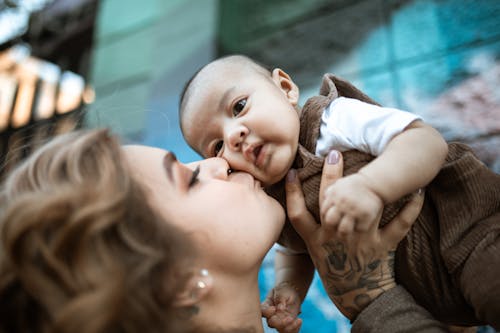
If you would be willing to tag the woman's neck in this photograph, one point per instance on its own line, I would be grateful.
(234, 303)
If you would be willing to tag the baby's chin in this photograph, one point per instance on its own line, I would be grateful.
(275, 171)
(277, 167)
(270, 180)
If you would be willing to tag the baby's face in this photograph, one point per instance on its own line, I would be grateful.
(245, 117)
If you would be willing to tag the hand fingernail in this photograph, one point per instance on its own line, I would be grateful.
(333, 157)
(291, 175)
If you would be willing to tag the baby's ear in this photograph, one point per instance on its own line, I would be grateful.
(286, 84)
(197, 287)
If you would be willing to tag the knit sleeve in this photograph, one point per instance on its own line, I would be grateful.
(396, 311)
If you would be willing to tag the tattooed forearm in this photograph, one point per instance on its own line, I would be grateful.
(353, 281)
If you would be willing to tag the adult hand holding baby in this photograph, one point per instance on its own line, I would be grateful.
(357, 267)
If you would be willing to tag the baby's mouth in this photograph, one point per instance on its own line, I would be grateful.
(260, 155)
(256, 152)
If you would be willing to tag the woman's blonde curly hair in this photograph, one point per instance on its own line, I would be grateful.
(81, 250)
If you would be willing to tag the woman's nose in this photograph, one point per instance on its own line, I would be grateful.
(215, 167)
(236, 136)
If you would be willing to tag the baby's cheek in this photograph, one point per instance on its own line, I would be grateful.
(278, 169)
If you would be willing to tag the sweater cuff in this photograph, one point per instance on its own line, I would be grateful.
(396, 311)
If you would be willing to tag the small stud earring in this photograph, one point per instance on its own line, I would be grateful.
(201, 284)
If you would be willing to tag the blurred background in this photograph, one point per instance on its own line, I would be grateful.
(66, 64)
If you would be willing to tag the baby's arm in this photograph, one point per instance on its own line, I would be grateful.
(293, 276)
(409, 162)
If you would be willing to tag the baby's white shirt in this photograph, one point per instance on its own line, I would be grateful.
(349, 123)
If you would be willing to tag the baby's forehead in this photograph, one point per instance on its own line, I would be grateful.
(214, 80)
(228, 67)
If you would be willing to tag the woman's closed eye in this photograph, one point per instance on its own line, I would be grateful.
(239, 106)
(194, 177)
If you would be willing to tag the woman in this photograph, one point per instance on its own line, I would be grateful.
(83, 251)
(99, 238)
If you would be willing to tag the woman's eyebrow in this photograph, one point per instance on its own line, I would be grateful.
(168, 161)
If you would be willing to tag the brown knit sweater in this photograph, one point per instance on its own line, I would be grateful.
(459, 204)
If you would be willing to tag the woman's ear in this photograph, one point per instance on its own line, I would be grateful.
(286, 84)
(197, 287)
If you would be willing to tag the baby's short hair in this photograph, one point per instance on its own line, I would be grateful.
(244, 60)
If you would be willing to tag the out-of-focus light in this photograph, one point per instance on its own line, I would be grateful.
(14, 55)
(49, 77)
(88, 95)
(14, 21)
(71, 89)
(8, 86)
(27, 76)
(34, 89)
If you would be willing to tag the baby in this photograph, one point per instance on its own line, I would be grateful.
(237, 109)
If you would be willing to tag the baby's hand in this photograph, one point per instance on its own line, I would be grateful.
(350, 204)
(281, 308)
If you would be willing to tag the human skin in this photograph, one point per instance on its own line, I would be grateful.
(183, 196)
(250, 119)
(236, 110)
(239, 111)
(232, 220)
(205, 206)
(357, 268)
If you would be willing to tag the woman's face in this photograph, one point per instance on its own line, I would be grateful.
(230, 216)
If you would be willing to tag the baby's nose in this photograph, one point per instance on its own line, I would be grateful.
(236, 137)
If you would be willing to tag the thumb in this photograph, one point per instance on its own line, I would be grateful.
(332, 170)
(303, 222)
(394, 231)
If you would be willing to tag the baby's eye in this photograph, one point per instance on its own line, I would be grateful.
(218, 147)
(239, 106)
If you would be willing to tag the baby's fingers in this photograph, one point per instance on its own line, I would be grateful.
(346, 226)
(293, 327)
(330, 218)
(279, 321)
(284, 323)
(267, 308)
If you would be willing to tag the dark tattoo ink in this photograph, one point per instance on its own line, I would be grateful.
(343, 273)
(337, 257)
